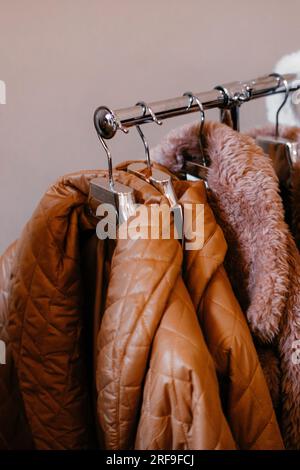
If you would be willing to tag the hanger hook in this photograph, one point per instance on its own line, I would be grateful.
(138, 128)
(118, 125)
(109, 161)
(284, 82)
(193, 98)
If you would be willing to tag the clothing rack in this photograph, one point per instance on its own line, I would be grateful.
(228, 96)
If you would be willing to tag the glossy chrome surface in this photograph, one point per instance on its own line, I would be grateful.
(283, 152)
(121, 197)
(162, 181)
(107, 121)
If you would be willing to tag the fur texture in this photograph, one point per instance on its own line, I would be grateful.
(262, 260)
(295, 193)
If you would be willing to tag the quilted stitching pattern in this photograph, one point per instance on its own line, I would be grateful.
(249, 408)
(147, 271)
(149, 316)
(181, 405)
(146, 297)
(46, 317)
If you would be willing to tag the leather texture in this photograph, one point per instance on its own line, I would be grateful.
(228, 337)
(243, 386)
(134, 321)
(47, 317)
(148, 304)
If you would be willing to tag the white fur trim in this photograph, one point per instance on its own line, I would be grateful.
(290, 113)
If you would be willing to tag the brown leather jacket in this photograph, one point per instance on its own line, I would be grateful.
(48, 315)
(149, 315)
(246, 400)
(228, 338)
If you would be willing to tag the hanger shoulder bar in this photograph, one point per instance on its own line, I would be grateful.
(237, 92)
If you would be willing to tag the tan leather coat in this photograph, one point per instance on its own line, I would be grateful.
(243, 386)
(228, 338)
(149, 316)
(48, 317)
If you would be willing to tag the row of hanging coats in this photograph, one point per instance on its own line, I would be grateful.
(142, 343)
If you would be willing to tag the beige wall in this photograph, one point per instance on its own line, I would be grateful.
(62, 58)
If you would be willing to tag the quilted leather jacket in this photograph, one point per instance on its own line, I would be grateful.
(49, 325)
(228, 338)
(149, 316)
(246, 400)
(148, 331)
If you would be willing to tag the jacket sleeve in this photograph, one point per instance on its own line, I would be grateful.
(14, 430)
(248, 406)
(181, 404)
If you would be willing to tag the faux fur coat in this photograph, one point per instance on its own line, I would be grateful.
(262, 261)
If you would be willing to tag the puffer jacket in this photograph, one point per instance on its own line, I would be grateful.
(50, 321)
(228, 337)
(246, 400)
(152, 318)
(48, 318)
(262, 261)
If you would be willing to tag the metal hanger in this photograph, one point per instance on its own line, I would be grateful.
(196, 167)
(160, 179)
(234, 97)
(106, 190)
(283, 152)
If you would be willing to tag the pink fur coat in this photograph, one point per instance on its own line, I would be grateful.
(263, 262)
